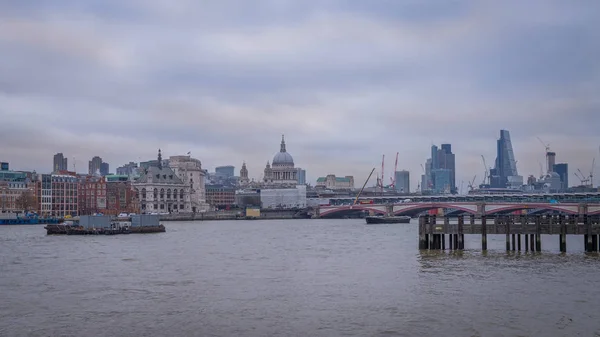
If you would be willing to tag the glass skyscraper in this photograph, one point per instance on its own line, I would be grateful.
(505, 174)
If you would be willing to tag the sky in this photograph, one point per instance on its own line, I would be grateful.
(345, 81)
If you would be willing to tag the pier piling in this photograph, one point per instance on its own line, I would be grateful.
(432, 235)
(483, 232)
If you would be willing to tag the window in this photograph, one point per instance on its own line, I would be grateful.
(169, 193)
(162, 193)
(156, 193)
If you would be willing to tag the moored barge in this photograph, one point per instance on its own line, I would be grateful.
(106, 225)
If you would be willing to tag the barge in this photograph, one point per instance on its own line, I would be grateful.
(106, 225)
(372, 220)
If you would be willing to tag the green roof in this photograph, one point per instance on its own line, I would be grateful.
(337, 180)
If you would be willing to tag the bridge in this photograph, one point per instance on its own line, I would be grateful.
(413, 208)
(588, 197)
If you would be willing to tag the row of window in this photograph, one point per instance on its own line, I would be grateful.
(156, 194)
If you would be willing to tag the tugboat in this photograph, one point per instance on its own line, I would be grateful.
(373, 220)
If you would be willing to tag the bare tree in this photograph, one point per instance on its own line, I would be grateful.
(26, 201)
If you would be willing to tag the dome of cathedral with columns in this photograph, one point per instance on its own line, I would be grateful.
(282, 171)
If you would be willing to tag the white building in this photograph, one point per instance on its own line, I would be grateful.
(282, 171)
(283, 197)
(162, 191)
(336, 183)
(189, 170)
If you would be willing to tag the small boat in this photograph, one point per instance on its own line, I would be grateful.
(387, 219)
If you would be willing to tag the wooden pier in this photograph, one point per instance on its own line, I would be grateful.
(434, 230)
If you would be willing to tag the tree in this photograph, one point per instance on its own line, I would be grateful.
(26, 201)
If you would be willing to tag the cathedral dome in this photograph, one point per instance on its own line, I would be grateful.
(283, 158)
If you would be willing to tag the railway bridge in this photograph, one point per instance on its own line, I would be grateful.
(475, 208)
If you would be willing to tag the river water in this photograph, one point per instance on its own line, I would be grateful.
(290, 278)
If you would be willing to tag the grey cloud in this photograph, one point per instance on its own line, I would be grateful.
(346, 81)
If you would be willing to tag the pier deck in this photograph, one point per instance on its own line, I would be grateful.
(433, 230)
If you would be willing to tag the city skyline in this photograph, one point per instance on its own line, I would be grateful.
(345, 83)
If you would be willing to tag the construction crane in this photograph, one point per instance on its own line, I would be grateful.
(547, 148)
(471, 186)
(592, 173)
(584, 179)
(363, 187)
(382, 175)
(485, 172)
(393, 178)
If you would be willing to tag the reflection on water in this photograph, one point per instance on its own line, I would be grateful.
(290, 278)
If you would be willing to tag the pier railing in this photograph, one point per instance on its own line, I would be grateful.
(433, 230)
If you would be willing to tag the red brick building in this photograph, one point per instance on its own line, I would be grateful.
(121, 196)
(92, 194)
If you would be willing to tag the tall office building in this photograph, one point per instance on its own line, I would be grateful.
(60, 163)
(504, 174)
(104, 168)
(402, 179)
(301, 176)
(440, 171)
(97, 166)
(127, 169)
(563, 172)
(225, 171)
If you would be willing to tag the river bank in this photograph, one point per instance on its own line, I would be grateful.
(237, 215)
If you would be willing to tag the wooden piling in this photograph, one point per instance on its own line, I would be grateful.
(460, 236)
(507, 226)
(519, 242)
(531, 242)
(594, 243)
(538, 233)
(483, 233)
(422, 235)
(526, 242)
(563, 233)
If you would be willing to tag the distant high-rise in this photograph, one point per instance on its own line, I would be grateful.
(127, 169)
(551, 161)
(504, 174)
(442, 163)
(60, 163)
(94, 165)
(402, 181)
(563, 171)
(225, 171)
(104, 169)
(301, 176)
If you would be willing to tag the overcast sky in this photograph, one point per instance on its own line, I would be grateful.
(345, 81)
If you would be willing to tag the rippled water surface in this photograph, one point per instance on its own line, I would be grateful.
(289, 278)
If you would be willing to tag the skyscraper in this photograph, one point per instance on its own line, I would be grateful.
(60, 163)
(94, 165)
(440, 170)
(104, 168)
(504, 174)
(225, 171)
(301, 176)
(402, 179)
(563, 171)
